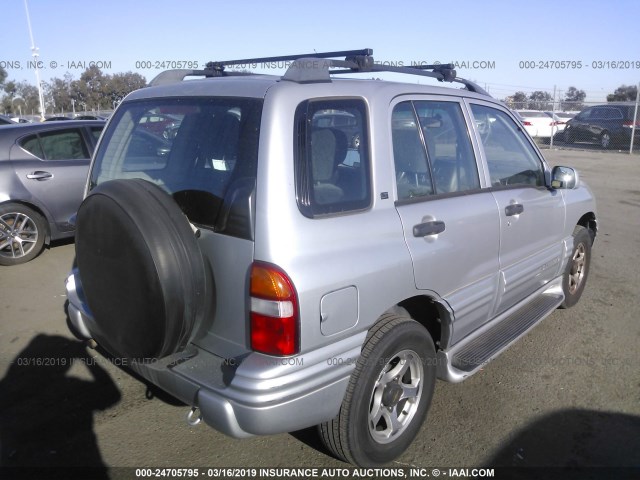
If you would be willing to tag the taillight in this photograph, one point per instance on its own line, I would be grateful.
(274, 311)
(527, 123)
(629, 124)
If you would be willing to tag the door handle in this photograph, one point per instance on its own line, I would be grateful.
(39, 175)
(513, 209)
(428, 228)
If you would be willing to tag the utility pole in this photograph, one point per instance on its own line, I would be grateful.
(35, 55)
(553, 117)
(635, 120)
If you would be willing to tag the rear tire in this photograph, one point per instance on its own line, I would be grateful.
(22, 234)
(605, 140)
(388, 395)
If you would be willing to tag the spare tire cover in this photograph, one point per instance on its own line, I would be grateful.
(141, 269)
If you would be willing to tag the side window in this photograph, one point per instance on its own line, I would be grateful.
(614, 114)
(448, 146)
(447, 164)
(32, 145)
(63, 145)
(332, 157)
(584, 115)
(510, 157)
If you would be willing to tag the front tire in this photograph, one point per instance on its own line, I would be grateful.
(388, 395)
(22, 234)
(577, 271)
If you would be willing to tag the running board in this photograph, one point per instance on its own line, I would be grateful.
(466, 358)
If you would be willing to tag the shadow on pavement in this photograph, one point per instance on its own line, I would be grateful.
(46, 415)
(592, 442)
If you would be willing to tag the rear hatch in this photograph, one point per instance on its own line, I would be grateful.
(203, 152)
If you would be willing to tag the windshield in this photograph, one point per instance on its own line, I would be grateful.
(193, 148)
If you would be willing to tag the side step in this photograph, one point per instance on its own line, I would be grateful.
(465, 358)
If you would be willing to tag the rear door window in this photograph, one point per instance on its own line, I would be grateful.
(57, 145)
(432, 150)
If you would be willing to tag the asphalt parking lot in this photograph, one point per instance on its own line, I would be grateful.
(566, 395)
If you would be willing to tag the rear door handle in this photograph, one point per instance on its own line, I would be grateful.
(513, 209)
(39, 175)
(428, 228)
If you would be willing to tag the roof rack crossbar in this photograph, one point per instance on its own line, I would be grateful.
(390, 68)
(304, 69)
(285, 58)
(441, 72)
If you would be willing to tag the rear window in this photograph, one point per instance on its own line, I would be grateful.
(196, 149)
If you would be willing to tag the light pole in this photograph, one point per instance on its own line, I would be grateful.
(35, 55)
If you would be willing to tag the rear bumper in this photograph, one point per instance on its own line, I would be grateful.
(253, 395)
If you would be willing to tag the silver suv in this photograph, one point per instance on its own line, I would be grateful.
(306, 250)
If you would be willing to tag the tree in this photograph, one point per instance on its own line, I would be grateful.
(21, 97)
(540, 100)
(519, 101)
(121, 84)
(93, 91)
(58, 94)
(623, 93)
(31, 97)
(10, 88)
(573, 99)
(90, 90)
(3, 75)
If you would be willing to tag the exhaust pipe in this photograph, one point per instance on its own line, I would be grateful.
(194, 417)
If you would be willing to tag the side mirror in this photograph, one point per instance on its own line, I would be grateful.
(564, 177)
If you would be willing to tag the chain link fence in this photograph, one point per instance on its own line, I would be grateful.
(595, 126)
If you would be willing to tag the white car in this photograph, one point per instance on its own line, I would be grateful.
(539, 124)
(563, 117)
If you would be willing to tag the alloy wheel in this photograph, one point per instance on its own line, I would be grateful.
(395, 397)
(18, 235)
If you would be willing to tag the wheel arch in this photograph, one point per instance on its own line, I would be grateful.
(588, 221)
(430, 312)
(37, 209)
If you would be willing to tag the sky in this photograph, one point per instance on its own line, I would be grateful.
(504, 46)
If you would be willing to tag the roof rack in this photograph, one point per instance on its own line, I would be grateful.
(318, 67)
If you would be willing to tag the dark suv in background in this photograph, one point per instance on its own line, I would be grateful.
(607, 125)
